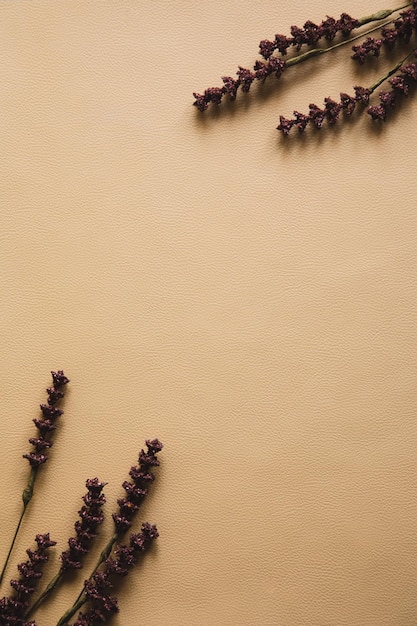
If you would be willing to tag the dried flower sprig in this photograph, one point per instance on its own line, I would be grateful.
(136, 490)
(401, 83)
(46, 426)
(402, 32)
(13, 608)
(274, 63)
(17, 608)
(96, 589)
(91, 516)
(309, 35)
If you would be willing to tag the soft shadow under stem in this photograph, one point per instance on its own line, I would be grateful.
(26, 497)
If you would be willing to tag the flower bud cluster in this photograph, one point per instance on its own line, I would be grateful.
(400, 87)
(46, 425)
(97, 589)
(13, 608)
(330, 112)
(403, 29)
(16, 609)
(137, 488)
(245, 78)
(309, 35)
(91, 517)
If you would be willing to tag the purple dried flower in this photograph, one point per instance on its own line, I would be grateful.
(154, 445)
(276, 65)
(262, 70)
(329, 28)
(148, 459)
(400, 83)
(332, 109)
(136, 494)
(59, 379)
(35, 459)
(360, 54)
(91, 517)
(246, 78)
(377, 112)
(201, 101)
(13, 608)
(348, 103)
(362, 94)
(137, 489)
(312, 33)
(409, 70)
(301, 121)
(285, 125)
(96, 589)
(50, 412)
(282, 43)
(45, 426)
(231, 86)
(317, 115)
(309, 35)
(298, 36)
(214, 94)
(389, 36)
(405, 24)
(54, 395)
(346, 24)
(40, 444)
(387, 98)
(369, 47)
(266, 48)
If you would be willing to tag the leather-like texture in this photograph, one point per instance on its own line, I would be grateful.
(249, 301)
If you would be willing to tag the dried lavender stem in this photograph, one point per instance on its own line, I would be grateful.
(67, 616)
(390, 73)
(135, 492)
(86, 530)
(317, 51)
(53, 583)
(26, 497)
(105, 553)
(37, 457)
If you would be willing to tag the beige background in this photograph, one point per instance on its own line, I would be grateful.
(249, 301)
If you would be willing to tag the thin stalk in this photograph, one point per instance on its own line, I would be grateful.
(26, 497)
(53, 583)
(390, 73)
(80, 600)
(67, 616)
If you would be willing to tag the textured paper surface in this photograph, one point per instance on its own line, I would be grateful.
(249, 301)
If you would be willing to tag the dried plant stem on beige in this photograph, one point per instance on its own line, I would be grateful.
(41, 443)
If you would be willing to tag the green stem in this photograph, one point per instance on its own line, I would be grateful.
(67, 616)
(54, 582)
(390, 73)
(80, 600)
(26, 497)
(381, 15)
